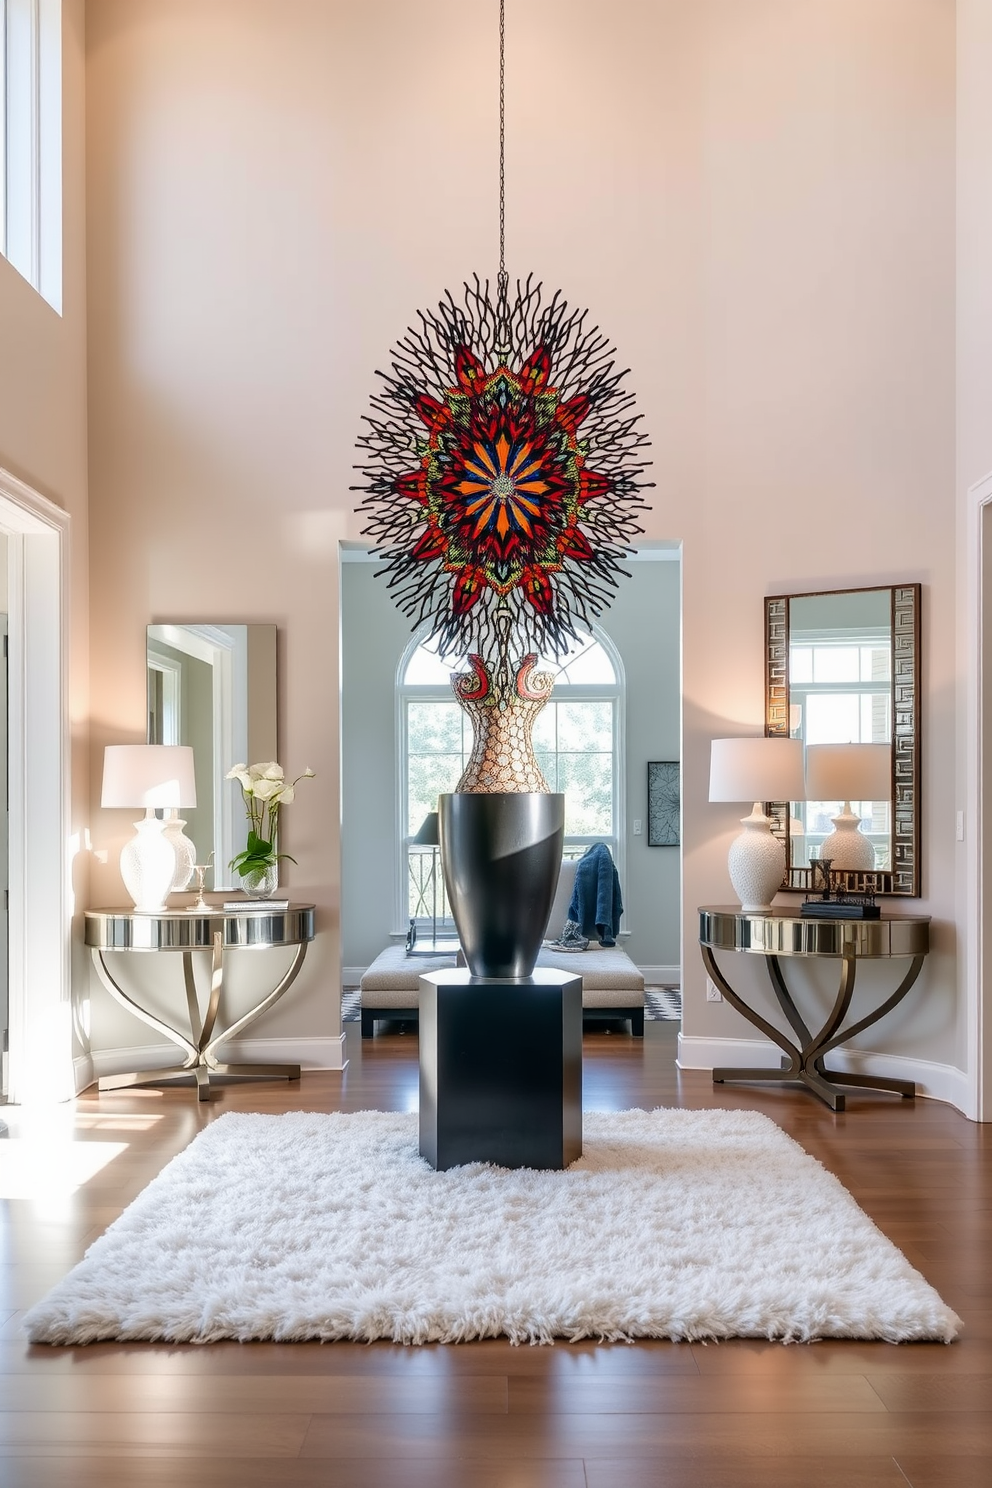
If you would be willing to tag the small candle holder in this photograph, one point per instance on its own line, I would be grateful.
(200, 906)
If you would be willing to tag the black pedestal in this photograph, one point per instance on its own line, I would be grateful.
(501, 1069)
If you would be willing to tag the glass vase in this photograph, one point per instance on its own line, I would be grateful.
(261, 883)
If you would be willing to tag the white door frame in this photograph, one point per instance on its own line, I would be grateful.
(978, 776)
(41, 850)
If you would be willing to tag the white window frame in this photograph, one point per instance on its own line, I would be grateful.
(575, 845)
(31, 143)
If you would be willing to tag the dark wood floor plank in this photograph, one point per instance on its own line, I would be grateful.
(24, 1433)
(215, 1393)
(697, 1470)
(759, 1433)
(691, 1395)
(128, 1471)
(936, 1471)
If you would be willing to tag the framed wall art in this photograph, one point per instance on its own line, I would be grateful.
(663, 803)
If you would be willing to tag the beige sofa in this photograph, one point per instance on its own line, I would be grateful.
(612, 986)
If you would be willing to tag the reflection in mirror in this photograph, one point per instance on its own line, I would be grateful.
(214, 687)
(843, 668)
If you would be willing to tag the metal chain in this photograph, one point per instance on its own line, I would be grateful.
(502, 140)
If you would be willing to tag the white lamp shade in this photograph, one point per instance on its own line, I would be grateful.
(849, 772)
(148, 775)
(757, 770)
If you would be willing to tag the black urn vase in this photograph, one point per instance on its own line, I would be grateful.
(501, 855)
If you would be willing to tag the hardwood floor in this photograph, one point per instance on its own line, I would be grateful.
(487, 1415)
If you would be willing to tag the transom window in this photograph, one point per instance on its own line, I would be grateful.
(31, 142)
(577, 740)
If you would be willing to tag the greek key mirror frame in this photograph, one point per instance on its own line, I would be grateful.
(904, 876)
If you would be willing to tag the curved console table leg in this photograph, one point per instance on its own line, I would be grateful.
(286, 1071)
(787, 1072)
(152, 1076)
(905, 1088)
(777, 978)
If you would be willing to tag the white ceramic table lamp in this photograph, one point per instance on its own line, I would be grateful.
(149, 775)
(756, 770)
(848, 772)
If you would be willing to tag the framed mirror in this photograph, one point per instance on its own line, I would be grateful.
(843, 667)
(213, 687)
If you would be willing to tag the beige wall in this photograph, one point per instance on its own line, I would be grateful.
(755, 198)
(43, 399)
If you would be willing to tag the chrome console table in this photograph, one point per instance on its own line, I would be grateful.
(186, 931)
(783, 934)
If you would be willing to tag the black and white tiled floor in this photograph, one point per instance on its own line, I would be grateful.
(661, 1005)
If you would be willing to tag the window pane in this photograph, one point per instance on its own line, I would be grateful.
(585, 727)
(585, 663)
(801, 664)
(833, 718)
(434, 728)
(544, 735)
(426, 669)
(547, 760)
(429, 775)
(587, 780)
(836, 663)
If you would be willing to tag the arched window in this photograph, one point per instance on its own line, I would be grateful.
(578, 740)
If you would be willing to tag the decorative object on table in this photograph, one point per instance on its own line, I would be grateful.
(157, 777)
(183, 847)
(264, 790)
(846, 773)
(502, 466)
(835, 901)
(676, 1224)
(501, 856)
(756, 770)
(664, 805)
(596, 906)
(200, 870)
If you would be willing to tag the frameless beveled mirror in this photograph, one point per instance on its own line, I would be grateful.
(213, 686)
(843, 667)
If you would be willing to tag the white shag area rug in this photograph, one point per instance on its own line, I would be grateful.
(674, 1224)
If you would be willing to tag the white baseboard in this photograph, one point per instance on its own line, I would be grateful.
(937, 1081)
(82, 1072)
(661, 976)
(310, 1053)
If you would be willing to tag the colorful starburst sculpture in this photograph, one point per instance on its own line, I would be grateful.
(502, 466)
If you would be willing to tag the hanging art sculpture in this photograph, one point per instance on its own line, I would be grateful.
(502, 467)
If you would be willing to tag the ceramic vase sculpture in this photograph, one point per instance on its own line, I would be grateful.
(182, 846)
(502, 701)
(756, 863)
(846, 847)
(501, 854)
(502, 829)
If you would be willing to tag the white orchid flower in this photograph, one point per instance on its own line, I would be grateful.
(267, 790)
(287, 795)
(272, 771)
(240, 774)
(308, 774)
(236, 771)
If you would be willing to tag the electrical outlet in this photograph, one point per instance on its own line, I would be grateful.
(713, 993)
(638, 826)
